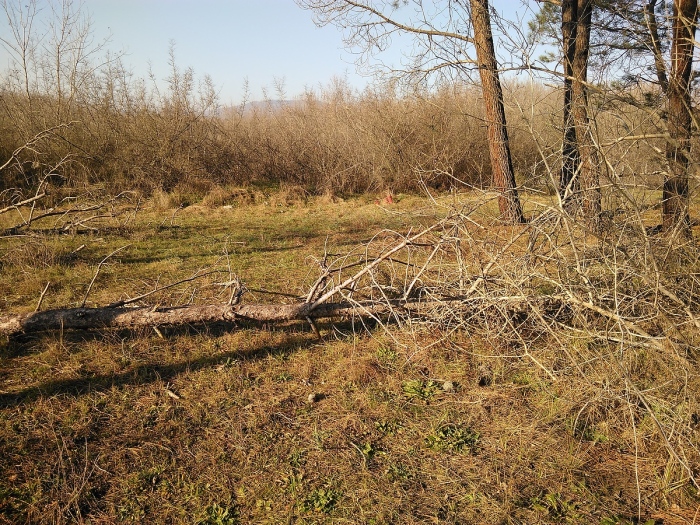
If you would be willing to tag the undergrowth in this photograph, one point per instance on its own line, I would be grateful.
(536, 408)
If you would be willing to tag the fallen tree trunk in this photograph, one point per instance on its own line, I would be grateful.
(130, 318)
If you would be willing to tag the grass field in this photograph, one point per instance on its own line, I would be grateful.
(269, 424)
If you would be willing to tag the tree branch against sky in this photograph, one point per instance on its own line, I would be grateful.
(434, 38)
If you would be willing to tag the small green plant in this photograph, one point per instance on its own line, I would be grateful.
(418, 389)
(296, 458)
(523, 379)
(398, 472)
(588, 432)
(217, 514)
(284, 377)
(150, 477)
(557, 508)
(386, 356)
(387, 427)
(453, 438)
(131, 511)
(367, 451)
(323, 500)
(264, 504)
(294, 481)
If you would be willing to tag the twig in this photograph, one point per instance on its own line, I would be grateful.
(417, 276)
(667, 443)
(81, 222)
(52, 212)
(22, 203)
(171, 393)
(171, 285)
(41, 297)
(313, 327)
(374, 264)
(262, 290)
(99, 266)
(34, 140)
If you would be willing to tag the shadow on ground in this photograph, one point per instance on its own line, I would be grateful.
(144, 373)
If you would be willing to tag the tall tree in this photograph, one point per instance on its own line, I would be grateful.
(675, 191)
(568, 180)
(499, 150)
(588, 153)
(579, 181)
(370, 24)
(632, 38)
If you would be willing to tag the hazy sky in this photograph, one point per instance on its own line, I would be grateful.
(234, 40)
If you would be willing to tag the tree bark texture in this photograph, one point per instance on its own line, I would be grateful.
(130, 318)
(499, 150)
(568, 180)
(588, 154)
(675, 190)
(579, 184)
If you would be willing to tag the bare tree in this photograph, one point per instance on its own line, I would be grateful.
(439, 50)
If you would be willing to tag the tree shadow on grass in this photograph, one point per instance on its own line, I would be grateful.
(153, 371)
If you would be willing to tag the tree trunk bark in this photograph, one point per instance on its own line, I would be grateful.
(131, 318)
(499, 150)
(579, 182)
(590, 161)
(675, 191)
(653, 28)
(568, 180)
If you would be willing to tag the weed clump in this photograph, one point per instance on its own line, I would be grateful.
(453, 438)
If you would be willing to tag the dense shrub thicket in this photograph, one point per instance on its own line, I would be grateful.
(126, 136)
(124, 133)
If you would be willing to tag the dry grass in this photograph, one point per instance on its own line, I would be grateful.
(558, 419)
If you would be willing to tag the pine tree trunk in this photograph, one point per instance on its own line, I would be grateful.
(501, 163)
(675, 191)
(579, 182)
(589, 174)
(568, 180)
(655, 41)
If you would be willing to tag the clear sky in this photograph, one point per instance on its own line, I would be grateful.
(233, 40)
